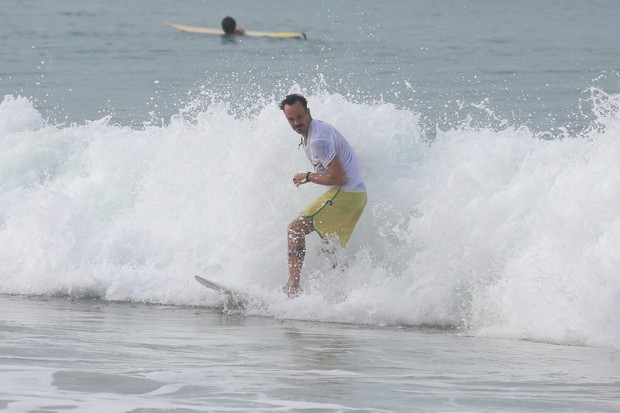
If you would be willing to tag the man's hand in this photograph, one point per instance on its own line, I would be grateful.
(300, 178)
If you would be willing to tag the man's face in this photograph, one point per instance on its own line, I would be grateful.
(298, 117)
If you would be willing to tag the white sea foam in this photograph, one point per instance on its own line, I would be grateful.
(492, 230)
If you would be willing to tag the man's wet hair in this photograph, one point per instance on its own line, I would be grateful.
(292, 99)
(229, 25)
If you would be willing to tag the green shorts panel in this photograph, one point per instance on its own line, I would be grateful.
(336, 212)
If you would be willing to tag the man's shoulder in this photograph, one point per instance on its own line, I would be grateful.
(321, 129)
(322, 124)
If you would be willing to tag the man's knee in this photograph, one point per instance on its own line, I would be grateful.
(299, 227)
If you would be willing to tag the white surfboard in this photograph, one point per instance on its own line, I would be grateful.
(235, 299)
(250, 33)
(216, 287)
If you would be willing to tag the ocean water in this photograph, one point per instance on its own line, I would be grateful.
(83, 355)
(484, 274)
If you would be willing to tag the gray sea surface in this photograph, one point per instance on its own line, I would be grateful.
(525, 62)
(92, 356)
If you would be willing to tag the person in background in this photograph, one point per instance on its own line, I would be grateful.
(229, 25)
(337, 211)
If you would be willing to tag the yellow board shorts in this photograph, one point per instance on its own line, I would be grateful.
(336, 212)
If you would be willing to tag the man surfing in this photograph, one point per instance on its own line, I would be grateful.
(336, 212)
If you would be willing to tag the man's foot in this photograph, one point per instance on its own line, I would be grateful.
(291, 291)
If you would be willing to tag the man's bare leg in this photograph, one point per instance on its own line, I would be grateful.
(328, 251)
(297, 231)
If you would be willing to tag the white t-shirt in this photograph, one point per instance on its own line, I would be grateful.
(324, 143)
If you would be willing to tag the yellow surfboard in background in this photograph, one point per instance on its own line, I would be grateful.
(251, 33)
